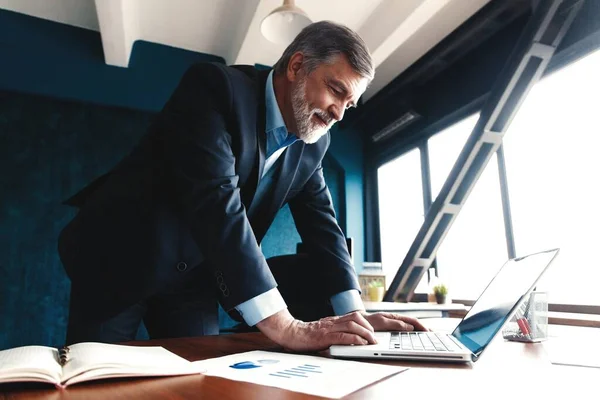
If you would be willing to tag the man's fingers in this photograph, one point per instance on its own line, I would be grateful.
(345, 339)
(359, 319)
(349, 329)
(394, 324)
(416, 324)
(353, 327)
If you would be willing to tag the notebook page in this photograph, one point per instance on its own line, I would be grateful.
(30, 363)
(89, 361)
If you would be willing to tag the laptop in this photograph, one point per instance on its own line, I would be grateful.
(495, 306)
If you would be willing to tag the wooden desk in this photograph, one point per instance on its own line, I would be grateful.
(507, 370)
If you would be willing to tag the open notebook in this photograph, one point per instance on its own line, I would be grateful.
(89, 361)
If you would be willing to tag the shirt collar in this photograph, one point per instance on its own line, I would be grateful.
(278, 136)
(274, 117)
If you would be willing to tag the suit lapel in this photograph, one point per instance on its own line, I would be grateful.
(286, 174)
(252, 157)
(282, 181)
(262, 149)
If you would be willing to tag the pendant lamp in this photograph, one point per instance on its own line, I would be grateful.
(284, 23)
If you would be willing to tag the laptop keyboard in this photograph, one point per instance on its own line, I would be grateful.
(424, 341)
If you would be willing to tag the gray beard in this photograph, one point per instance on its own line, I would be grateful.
(308, 131)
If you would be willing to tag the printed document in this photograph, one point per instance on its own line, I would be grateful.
(312, 375)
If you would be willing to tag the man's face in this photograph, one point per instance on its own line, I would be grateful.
(320, 99)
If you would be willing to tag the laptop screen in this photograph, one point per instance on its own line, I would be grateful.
(511, 284)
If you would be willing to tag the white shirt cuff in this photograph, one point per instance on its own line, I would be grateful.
(262, 306)
(347, 301)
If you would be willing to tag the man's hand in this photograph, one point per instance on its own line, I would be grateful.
(383, 321)
(297, 335)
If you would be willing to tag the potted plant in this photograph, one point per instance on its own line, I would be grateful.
(375, 290)
(441, 293)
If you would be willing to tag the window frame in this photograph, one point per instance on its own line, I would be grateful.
(560, 60)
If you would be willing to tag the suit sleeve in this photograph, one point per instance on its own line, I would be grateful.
(314, 216)
(200, 165)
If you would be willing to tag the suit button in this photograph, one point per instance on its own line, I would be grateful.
(181, 266)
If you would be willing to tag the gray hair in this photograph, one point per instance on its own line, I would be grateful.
(322, 42)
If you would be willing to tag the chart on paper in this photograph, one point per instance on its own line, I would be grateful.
(301, 371)
(314, 375)
(280, 368)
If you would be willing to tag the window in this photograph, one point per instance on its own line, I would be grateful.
(400, 209)
(552, 163)
(551, 157)
(475, 247)
(444, 149)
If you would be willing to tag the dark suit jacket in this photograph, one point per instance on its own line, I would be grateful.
(179, 201)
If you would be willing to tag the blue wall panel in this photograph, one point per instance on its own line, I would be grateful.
(48, 150)
(52, 59)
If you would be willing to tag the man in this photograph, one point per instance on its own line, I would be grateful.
(176, 226)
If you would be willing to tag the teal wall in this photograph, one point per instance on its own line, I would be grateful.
(66, 117)
(347, 149)
(61, 61)
(49, 149)
(282, 237)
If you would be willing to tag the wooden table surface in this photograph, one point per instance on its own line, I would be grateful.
(507, 370)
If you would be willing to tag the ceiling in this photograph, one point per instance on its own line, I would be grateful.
(398, 32)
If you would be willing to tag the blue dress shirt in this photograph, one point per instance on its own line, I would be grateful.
(278, 139)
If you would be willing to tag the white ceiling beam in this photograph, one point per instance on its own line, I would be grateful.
(119, 28)
(389, 27)
(420, 31)
(244, 15)
(382, 31)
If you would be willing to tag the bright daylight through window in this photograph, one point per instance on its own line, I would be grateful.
(552, 163)
(400, 209)
(551, 151)
(475, 246)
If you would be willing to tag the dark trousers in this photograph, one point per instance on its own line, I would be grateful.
(190, 309)
(187, 309)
